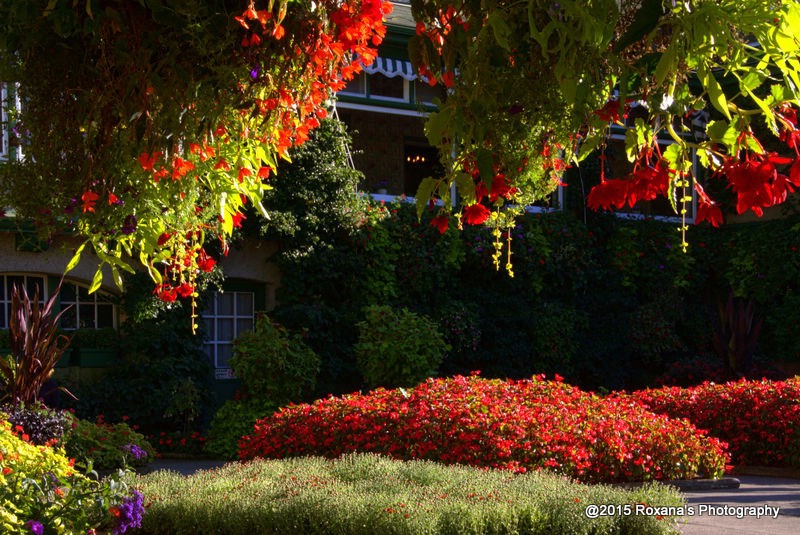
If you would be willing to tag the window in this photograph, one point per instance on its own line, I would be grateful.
(3, 122)
(227, 315)
(357, 86)
(86, 311)
(377, 86)
(425, 94)
(31, 284)
(386, 88)
(421, 161)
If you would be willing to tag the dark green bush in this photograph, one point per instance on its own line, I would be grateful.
(554, 338)
(163, 379)
(232, 421)
(273, 363)
(397, 347)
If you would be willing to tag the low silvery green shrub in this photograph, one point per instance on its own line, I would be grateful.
(369, 494)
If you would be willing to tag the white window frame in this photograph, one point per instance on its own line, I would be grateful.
(6, 131)
(78, 303)
(5, 295)
(212, 343)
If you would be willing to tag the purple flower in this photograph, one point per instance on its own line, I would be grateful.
(35, 526)
(129, 225)
(134, 451)
(130, 513)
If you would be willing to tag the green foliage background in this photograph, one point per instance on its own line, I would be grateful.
(607, 302)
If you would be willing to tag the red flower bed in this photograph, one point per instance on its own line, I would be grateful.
(759, 419)
(516, 425)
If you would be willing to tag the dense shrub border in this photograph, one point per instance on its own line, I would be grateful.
(760, 420)
(518, 425)
(367, 494)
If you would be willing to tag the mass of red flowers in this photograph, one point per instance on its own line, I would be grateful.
(760, 420)
(516, 425)
(757, 177)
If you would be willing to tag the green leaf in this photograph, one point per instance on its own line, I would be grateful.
(715, 93)
(752, 80)
(424, 193)
(466, 187)
(97, 280)
(117, 277)
(500, 29)
(644, 22)
(76, 258)
(666, 65)
(590, 144)
(485, 164)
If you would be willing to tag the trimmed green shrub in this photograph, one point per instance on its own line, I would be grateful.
(273, 363)
(232, 421)
(368, 494)
(397, 348)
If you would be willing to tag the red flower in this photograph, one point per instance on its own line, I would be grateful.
(500, 188)
(647, 183)
(612, 192)
(440, 222)
(185, 290)
(205, 262)
(237, 219)
(180, 167)
(611, 111)
(148, 161)
(708, 212)
(164, 238)
(223, 164)
(166, 293)
(476, 214)
(89, 199)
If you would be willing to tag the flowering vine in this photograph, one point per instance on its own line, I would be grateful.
(170, 119)
(536, 86)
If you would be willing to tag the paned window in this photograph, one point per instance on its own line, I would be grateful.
(3, 122)
(84, 310)
(227, 315)
(31, 284)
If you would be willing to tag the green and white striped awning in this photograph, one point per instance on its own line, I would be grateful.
(391, 67)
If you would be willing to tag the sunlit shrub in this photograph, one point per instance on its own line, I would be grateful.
(517, 425)
(760, 420)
